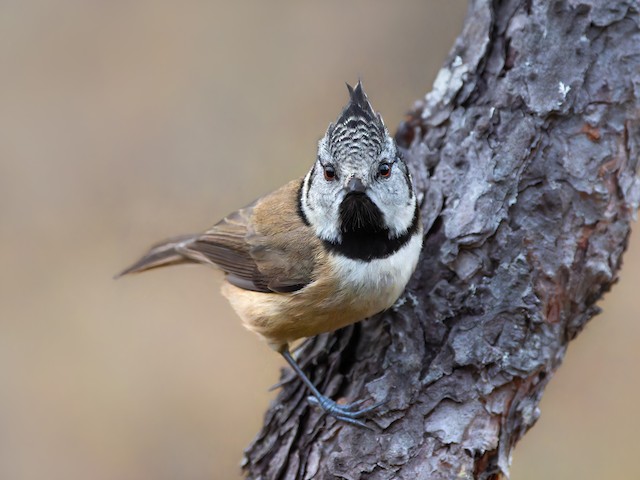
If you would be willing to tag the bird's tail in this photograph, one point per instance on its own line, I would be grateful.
(161, 255)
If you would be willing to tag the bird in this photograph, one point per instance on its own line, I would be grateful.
(321, 252)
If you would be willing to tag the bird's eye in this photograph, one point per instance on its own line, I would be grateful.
(384, 170)
(329, 172)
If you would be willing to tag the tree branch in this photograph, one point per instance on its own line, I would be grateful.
(525, 157)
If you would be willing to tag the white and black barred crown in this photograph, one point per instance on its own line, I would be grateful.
(358, 131)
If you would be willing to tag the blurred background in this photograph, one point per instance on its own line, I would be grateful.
(122, 123)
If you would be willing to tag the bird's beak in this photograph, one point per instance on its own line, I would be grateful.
(355, 185)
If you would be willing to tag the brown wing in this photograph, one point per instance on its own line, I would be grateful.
(284, 247)
(225, 245)
(265, 247)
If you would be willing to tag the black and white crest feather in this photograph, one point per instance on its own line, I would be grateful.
(358, 131)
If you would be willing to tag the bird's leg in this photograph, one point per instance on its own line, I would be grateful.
(347, 413)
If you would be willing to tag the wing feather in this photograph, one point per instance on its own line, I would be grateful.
(265, 247)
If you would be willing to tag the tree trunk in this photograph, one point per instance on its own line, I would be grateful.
(524, 155)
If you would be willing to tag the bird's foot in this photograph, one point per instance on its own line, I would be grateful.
(349, 412)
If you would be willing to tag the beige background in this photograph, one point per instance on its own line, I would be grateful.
(122, 123)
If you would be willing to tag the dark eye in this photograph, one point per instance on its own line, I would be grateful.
(384, 170)
(329, 172)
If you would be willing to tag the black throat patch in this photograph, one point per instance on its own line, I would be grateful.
(359, 214)
(364, 236)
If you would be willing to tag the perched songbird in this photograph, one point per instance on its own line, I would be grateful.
(320, 252)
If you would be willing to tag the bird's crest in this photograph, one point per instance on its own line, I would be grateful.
(358, 130)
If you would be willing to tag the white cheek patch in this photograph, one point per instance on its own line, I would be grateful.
(321, 216)
(329, 232)
(398, 217)
(402, 219)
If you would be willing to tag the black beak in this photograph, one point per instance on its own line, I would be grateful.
(355, 185)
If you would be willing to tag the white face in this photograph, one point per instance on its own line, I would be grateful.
(358, 179)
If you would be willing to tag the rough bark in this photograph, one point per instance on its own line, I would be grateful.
(525, 155)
